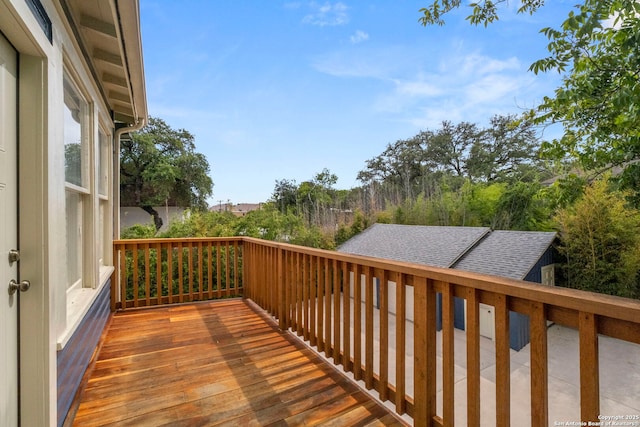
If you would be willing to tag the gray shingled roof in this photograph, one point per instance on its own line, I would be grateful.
(509, 254)
(503, 253)
(429, 245)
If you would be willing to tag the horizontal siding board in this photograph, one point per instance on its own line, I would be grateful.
(73, 359)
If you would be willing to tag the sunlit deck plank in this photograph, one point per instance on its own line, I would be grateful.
(216, 363)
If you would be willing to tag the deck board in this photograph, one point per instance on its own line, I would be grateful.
(216, 363)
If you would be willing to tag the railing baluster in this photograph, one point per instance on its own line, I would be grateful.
(368, 329)
(190, 271)
(219, 270)
(473, 358)
(304, 279)
(200, 269)
(448, 361)
(227, 270)
(336, 313)
(539, 369)
(328, 351)
(503, 362)
(289, 288)
(400, 343)
(169, 247)
(135, 275)
(384, 336)
(236, 272)
(115, 279)
(210, 270)
(159, 283)
(180, 271)
(147, 274)
(123, 277)
(424, 352)
(346, 318)
(589, 367)
(312, 299)
(320, 272)
(357, 322)
(299, 297)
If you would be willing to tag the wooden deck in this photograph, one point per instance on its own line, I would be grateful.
(216, 363)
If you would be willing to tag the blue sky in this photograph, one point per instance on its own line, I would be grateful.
(282, 89)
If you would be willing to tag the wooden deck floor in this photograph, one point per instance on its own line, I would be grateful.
(216, 363)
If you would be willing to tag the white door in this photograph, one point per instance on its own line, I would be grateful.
(8, 236)
(487, 321)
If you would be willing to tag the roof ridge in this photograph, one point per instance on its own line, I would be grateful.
(470, 248)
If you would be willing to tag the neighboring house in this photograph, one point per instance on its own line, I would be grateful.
(132, 215)
(71, 84)
(240, 209)
(521, 255)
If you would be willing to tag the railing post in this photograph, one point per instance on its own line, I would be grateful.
(503, 362)
(282, 321)
(539, 366)
(115, 276)
(448, 361)
(473, 359)
(424, 352)
(589, 368)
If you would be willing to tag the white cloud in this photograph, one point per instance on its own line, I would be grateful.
(417, 88)
(327, 14)
(359, 37)
(480, 64)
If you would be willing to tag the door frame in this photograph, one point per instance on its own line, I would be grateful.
(37, 59)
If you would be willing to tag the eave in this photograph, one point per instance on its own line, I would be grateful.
(108, 34)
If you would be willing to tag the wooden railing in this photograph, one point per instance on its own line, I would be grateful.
(166, 271)
(378, 320)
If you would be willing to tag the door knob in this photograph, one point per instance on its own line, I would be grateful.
(14, 286)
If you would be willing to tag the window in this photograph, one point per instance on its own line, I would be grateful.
(104, 173)
(76, 154)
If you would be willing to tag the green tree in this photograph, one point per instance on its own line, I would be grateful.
(600, 238)
(159, 165)
(483, 12)
(597, 46)
(507, 150)
(285, 195)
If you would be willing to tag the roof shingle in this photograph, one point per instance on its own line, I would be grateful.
(504, 253)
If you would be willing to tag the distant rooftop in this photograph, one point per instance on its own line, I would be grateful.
(505, 253)
(429, 245)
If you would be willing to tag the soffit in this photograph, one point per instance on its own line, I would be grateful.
(109, 36)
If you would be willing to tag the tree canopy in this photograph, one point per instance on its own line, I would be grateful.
(159, 165)
(597, 47)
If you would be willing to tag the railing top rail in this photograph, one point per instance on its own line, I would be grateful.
(121, 242)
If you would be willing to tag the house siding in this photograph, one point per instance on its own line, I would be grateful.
(74, 358)
(519, 334)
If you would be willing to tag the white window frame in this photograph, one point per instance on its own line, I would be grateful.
(104, 213)
(82, 189)
(96, 235)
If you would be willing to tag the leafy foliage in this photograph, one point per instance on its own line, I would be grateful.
(601, 242)
(483, 12)
(597, 101)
